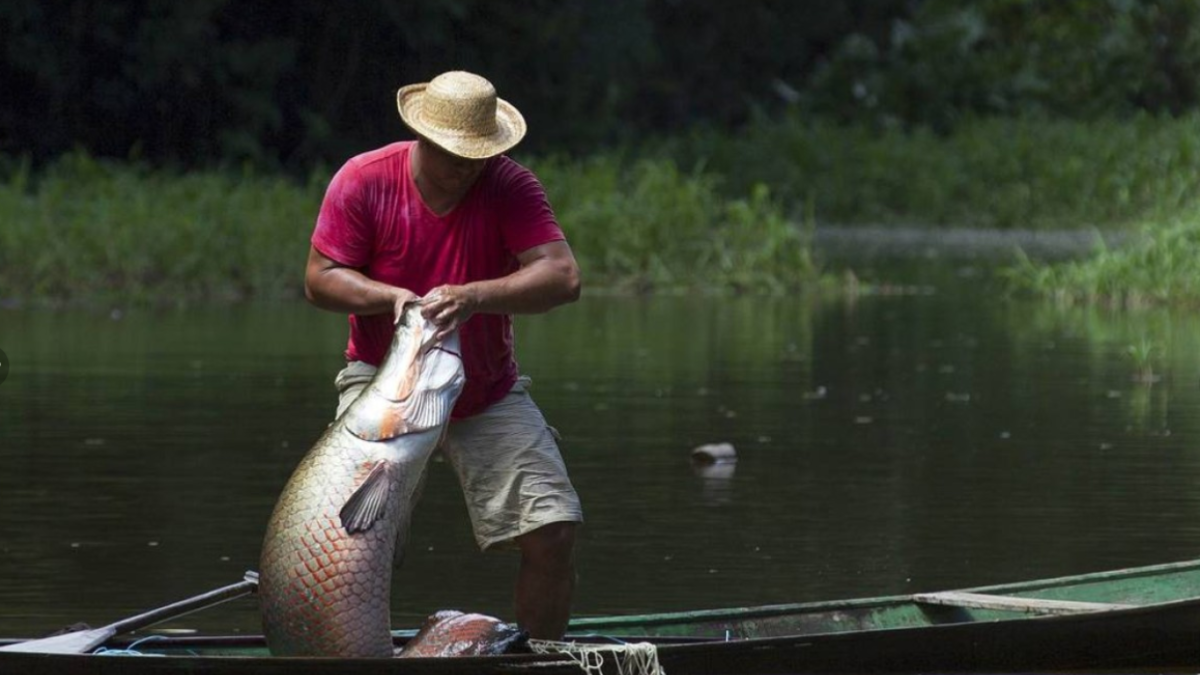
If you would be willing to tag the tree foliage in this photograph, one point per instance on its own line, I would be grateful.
(278, 82)
(1066, 58)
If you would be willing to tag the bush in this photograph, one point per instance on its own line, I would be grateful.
(645, 224)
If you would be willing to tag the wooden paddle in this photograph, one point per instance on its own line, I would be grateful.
(82, 641)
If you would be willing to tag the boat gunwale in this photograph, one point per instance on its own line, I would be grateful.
(690, 648)
(735, 613)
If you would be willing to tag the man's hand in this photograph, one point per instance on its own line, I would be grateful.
(548, 277)
(448, 307)
(402, 297)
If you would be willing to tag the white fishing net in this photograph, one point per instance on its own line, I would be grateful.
(637, 658)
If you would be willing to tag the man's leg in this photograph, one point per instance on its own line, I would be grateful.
(350, 382)
(546, 580)
(519, 496)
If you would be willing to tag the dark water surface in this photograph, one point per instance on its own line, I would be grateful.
(942, 437)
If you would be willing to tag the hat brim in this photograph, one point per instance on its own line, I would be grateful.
(510, 127)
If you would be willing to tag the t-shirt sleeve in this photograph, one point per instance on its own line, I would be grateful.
(342, 233)
(528, 219)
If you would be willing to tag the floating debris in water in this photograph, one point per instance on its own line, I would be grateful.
(958, 398)
(816, 394)
(863, 420)
(714, 453)
(714, 461)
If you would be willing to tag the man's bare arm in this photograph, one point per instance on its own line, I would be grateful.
(548, 277)
(331, 285)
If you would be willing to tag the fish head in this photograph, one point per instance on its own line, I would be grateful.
(416, 386)
(453, 633)
(405, 362)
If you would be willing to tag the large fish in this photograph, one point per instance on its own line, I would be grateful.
(326, 568)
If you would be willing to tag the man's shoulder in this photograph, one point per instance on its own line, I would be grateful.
(387, 158)
(505, 166)
(506, 174)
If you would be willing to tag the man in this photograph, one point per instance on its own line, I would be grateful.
(449, 220)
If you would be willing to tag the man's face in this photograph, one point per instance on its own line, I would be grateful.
(449, 172)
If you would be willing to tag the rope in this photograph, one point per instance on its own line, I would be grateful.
(635, 658)
(131, 650)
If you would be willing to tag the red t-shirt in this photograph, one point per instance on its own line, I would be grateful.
(374, 219)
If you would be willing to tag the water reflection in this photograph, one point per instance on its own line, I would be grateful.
(715, 464)
(885, 445)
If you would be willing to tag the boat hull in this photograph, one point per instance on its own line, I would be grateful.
(1019, 627)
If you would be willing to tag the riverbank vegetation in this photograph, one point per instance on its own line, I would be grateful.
(724, 212)
(84, 230)
(1007, 173)
(1161, 267)
(701, 172)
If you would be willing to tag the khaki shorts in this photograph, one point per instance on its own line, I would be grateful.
(507, 460)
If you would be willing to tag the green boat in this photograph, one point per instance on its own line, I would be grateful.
(1137, 619)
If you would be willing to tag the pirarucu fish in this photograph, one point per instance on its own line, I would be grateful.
(326, 568)
(453, 633)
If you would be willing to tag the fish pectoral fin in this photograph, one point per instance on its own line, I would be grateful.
(369, 502)
(426, 409)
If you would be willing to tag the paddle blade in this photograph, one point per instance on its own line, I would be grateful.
(82, 641)
(67, 643)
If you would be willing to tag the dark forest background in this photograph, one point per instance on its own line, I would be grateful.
(290, 84)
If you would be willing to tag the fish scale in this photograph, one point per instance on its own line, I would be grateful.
(342, 519)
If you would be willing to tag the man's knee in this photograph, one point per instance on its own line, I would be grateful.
(551, 545)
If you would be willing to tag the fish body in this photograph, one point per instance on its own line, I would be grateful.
(453, 633)
(341, 520)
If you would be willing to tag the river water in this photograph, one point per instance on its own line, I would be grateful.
(924, 435)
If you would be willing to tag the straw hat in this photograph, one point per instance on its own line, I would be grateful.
(460, 113)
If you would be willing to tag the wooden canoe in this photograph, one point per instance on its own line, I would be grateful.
(1133, 619)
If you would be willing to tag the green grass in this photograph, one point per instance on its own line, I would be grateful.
(702, 211)
(1140, 175)
(1160, 268)
(989, 173)
(644, 224)
(84, 230)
